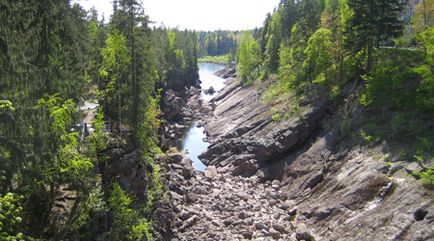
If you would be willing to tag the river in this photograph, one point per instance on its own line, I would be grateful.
(193, 143)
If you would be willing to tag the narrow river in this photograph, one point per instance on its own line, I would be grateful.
(193, 143)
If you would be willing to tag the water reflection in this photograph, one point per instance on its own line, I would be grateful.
(193, 145)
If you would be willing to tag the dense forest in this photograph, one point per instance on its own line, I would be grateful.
(218, 46)
(217, 43)
(53, 57)
(316, 44)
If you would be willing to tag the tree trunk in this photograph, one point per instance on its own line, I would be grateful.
(370, 60)
(135, 86)
(120, 108)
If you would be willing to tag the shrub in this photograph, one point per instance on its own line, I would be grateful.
(427, 177)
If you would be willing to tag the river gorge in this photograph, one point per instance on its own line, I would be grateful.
(292, 178)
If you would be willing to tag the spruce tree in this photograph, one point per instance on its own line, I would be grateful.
(372, 23)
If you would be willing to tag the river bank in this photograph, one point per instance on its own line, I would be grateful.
(300, 171)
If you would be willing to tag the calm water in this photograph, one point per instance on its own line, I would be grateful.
(193, 143)
(206, 75)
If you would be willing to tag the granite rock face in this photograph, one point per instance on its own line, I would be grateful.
(299, 176)
(244, 135)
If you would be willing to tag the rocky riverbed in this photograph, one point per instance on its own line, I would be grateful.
(296, 177)
(218, 206)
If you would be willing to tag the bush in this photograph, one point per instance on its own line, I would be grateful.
(10, 217)
(427, 177)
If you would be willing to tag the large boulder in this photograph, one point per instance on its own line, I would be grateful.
(172, 105)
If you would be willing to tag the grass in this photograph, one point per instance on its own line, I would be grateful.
(222, 59)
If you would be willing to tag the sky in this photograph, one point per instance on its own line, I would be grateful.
(198, 14)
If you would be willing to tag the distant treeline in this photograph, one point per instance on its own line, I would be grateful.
(218, 43)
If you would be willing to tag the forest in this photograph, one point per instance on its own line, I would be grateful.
(55, 56)
(326, 44)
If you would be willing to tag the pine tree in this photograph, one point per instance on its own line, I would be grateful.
(372, 23)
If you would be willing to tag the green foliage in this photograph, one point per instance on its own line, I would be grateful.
(6, 106)
(274, 91)
(177, 57)
(427, 177)
(274, 38)
(61, 114)
(148, 129)
(371, 23)
(221, 59)
(292, 57)
(402, 95)
(217, 43)
(91, 209)
(10, 218)
(142, 228)
(319, 58)
(97, 141)
(116, 58)
(276, 117)
(120, 206)
(73, 166)
(248, 58)
(395, 84)
(345, 13)
(368, 138)
(423, 16)
(156, 190)
(126, 220)
(427, 41)
(51, 54)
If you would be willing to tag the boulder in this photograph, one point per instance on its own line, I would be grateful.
(209, 91)
(172, 105)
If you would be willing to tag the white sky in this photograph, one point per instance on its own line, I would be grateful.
(198, 14)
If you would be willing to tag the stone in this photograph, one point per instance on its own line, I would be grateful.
(243, 215)
(243, 195)
(210, 172)
(275, 184)
(207, 174)
(213, 170)
(247, 234)
(302, 233)
(191, 197)
(228, 221)
(187, 172)
(209, 91)
(200, 190)
(274, 234)
(189, 223)
(184, 215)
(261, 226)
(279, 227)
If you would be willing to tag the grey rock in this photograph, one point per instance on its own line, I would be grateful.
(279, 227)
(261, 226)
(247, 234)
(302, 233)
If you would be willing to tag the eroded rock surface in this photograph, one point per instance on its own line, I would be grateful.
(244, 135)
(300, 177)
